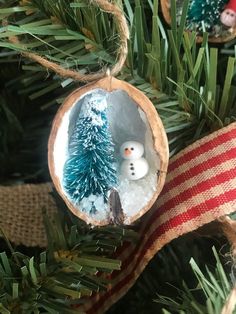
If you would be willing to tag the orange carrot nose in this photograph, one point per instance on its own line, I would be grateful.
(127, 152)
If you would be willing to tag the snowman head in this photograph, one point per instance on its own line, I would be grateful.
(131, 150)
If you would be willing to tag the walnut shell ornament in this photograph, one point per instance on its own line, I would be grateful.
(218, 17)
(87, 153)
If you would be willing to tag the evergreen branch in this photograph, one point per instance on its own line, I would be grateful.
(172, 70)
(64, 274)
(209, 296)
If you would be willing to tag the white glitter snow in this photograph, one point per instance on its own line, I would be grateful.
(135, 195)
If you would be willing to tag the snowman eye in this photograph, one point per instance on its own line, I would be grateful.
(132, 148)
(126, 148)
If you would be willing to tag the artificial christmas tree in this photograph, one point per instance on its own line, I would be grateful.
(90, 169)
(193, 88)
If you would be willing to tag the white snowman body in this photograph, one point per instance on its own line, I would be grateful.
(134, 167)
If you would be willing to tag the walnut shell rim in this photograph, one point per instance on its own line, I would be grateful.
(159, 139)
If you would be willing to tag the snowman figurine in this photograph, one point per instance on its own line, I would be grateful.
(134, 167)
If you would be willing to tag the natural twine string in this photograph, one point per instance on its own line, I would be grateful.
(123, 31)
(229, 228)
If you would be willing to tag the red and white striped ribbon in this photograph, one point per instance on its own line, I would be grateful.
(200, 187)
